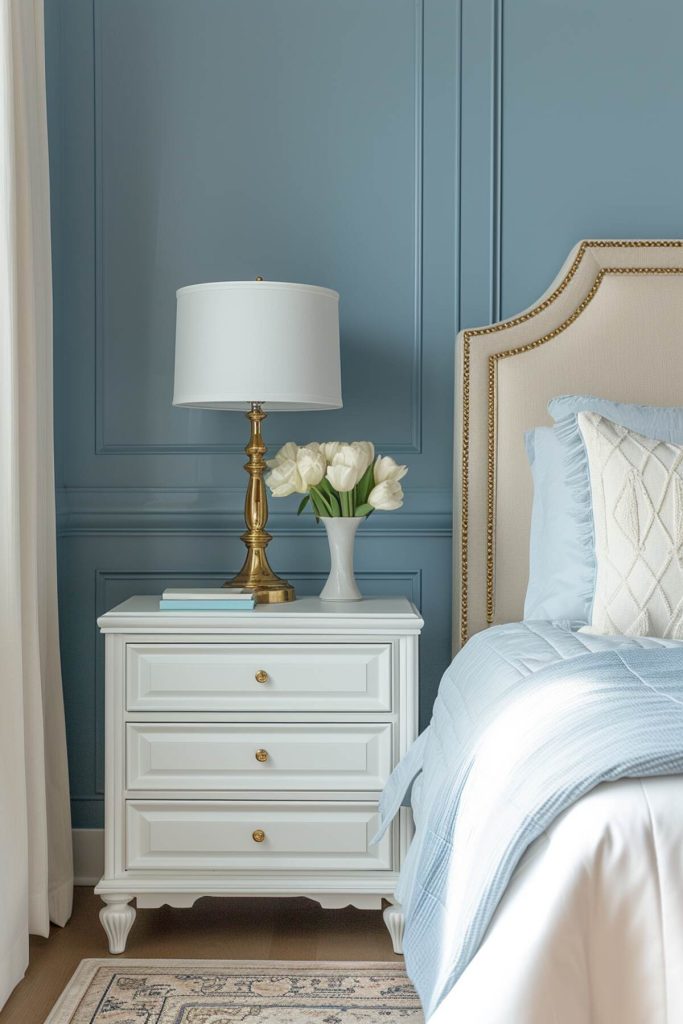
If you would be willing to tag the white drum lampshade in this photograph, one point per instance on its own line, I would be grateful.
(247, 344)
(239, 342)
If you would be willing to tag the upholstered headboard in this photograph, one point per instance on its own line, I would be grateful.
(611, 324)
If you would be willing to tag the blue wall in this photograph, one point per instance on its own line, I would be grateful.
(433, 161)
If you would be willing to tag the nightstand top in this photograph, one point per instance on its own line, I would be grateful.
(308, 614)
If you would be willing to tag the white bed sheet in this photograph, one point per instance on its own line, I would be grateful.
(590, 930)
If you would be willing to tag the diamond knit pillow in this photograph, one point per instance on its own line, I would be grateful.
(637, 494)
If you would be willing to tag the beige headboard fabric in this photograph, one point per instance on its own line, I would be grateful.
(611, 324)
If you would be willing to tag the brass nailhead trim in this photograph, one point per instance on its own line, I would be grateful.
(492, 365)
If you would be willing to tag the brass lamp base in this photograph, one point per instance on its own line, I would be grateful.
(273, 590)
(256, 574)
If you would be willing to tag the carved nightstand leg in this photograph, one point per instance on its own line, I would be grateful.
(394, 919)
(117, 920)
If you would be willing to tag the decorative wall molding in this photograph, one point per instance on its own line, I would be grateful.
(130, 510)
(497, 160)
(120, 538)
(487, 80)
(479, 162)
(416, 396)
(457, 265)
(108, 446)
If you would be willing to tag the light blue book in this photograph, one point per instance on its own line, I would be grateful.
(206, 606)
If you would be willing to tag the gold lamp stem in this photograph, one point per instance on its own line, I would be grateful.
(256, 574)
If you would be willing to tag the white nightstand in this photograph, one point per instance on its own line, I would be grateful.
(246, 751)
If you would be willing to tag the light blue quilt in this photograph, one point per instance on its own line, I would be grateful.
(529, 718)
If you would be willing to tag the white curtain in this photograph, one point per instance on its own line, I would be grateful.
(36, 871)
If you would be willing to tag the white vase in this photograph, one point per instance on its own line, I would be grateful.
(341, 534)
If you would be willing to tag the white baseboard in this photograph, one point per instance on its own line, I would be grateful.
(88, 846)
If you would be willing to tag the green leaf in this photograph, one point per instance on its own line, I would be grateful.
(318, 506)
(303, 503)
(320, 503)
(364, 509)
(365, 484)
(332, 497)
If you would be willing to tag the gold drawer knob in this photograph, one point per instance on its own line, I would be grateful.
(258, 835)
(261, 676)
(261, 755)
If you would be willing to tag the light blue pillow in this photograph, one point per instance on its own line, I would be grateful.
(561, 552)
(560, 575)
(663, 423)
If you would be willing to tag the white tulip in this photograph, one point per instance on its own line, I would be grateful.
(311, 465)
(387, 468)
(367, 450)
(286, 454)
(285, 479)
(330, 449)
(352, 458)
(386, 496)
(342, 478)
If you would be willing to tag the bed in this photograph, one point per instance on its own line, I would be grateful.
(580, 917)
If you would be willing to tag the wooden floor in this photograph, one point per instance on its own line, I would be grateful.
(287, 929)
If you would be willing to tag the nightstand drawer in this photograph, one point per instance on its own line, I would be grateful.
(209, 836)
(165, 756)
(258, 677)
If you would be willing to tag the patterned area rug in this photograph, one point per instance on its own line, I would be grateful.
(111, 991)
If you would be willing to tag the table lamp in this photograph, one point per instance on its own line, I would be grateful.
(246, 345)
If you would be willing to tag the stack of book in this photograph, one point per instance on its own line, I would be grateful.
(206, 599)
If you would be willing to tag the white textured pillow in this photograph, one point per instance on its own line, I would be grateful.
(637, 493)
